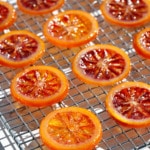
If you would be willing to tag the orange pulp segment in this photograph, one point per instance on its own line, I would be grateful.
(39, 86)
(126, 13)
(141, 43)
(41, 7)
(129, 104)
(7, 15)
(101, 64)
(71, 128)
(20, 48)
(71, 28)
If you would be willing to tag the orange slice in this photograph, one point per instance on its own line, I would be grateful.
(39, 86)
(71, 128)
(130, 13)
(71, 28)
(101, 64)
(39, 7)
(20, 48)
(141, 43)
(129, 104)
(7, 15)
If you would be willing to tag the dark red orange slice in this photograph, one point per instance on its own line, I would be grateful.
(39, 7)
(126, 13)
(7, 15)
(141, 43)
(129, 104)
(20, 48)
(101, 65)
(39, 86)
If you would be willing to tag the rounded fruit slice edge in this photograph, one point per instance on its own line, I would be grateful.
(141, 42)
(101, 64)
(39, 7)
(39, 86)
(71, 28)
(8, 15)
(20, 48)
(128, 103)
(126, 13)
(71, 128)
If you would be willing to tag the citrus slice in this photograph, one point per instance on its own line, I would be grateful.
(7, 15)
(129, 104)
(71, 128)
(126, 13)
(71, 28)
(39, 86)
(39, 7)
(101, 64)
(20, 48)
(141, 43)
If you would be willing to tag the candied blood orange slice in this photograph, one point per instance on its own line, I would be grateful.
(39, 7)
(141, 43)
(126, 13)
(71, 128)
(20, 48)
(7, 15)
(129, 104)
(71, 28)
(101, 64)
(39, 86)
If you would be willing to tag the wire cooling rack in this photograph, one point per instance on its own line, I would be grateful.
(19, 125)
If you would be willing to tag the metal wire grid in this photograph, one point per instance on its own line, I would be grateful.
(19, 124)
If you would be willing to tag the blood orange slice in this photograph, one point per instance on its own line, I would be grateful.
(141, 43)
(39, 7)
(71, 128)
(20, 48)
(71, 28)
(101, 65)
(129, 104)
(7, 15)
(126, 13)
(39, 86)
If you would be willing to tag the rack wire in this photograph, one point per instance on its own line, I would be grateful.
(19, 124)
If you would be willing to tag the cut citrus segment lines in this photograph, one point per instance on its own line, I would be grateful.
(71, 128)
(7, 15)
(20, 48)
(129, 104)
(39, 86)
(71, 28)
(101, 65)
(127, 13)
(39, 7)
(141, 43)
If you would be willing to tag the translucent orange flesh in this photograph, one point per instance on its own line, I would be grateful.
(70, 128)
(133, 102)
(69, 27)
(18, 47)
(102, 64)
(3, 13)
(145, 40)
(37, 5)
(38, 84)
(127, 10)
